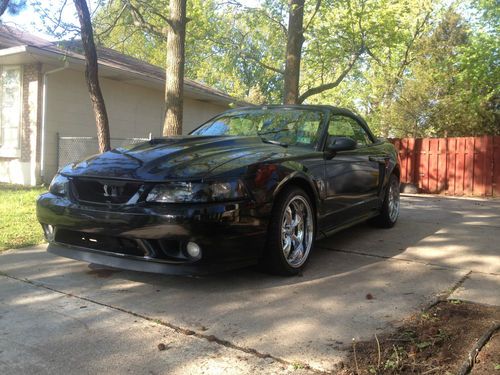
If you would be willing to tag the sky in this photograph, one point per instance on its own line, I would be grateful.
(30, 21)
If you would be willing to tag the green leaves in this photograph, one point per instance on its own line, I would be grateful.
(411, 67)
(423, 344)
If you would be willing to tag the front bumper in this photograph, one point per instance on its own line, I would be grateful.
(153, 238)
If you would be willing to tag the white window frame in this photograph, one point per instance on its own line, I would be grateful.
(9, 150)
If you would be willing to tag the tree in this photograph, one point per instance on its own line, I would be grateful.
(445, 87)
(296, 35)
(3, 6)
(224, 48)
(257, 50)
(246, 47)
(149, 17)
(92, 76)
(391, 65)
(11, 6)
(174, 71)
(400, 64)
(295, 39)
(293, 55)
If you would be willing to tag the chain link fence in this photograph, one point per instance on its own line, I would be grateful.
(71, 149)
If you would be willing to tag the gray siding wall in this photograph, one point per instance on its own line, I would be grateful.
(134, 111)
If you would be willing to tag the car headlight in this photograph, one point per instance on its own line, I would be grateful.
(59, 185)
(177, 192)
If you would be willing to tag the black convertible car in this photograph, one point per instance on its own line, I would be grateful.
(252, 185)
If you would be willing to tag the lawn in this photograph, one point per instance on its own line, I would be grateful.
(18, 224)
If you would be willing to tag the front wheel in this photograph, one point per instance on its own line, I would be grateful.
(291, 232)
(389, 212)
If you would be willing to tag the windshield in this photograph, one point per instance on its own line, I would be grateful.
(288, 126)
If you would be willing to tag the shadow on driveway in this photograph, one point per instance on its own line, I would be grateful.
(359, 282)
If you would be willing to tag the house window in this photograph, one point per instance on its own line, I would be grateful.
(10, 110)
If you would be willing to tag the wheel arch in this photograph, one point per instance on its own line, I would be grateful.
(303, 182)
(397, 171)
(385, 181)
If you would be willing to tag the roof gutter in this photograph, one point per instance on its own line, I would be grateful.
(189, 86)
(44, 114)
(13, 50)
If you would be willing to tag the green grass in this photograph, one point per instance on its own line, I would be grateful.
(18, 224)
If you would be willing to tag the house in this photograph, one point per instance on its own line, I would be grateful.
(44, 98)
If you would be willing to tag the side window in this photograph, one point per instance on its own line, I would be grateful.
(343, 126)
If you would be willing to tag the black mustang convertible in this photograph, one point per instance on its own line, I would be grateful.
(251, 185)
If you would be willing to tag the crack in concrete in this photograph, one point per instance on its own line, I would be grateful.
(443, 296)
(177, 329)
(489, 226)
(361, 253)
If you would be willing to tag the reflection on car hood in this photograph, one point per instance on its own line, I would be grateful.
(180, 157)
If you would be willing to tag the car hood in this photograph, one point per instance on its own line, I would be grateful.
(183, 157)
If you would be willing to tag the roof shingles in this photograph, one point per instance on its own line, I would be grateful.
(11, 37)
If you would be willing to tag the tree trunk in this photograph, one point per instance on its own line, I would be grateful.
(295, 39)
(3, 6)
(91, 76)
(174, 72)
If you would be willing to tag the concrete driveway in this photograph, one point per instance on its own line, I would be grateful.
(58, 315)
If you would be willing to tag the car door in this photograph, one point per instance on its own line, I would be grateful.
(352, 177)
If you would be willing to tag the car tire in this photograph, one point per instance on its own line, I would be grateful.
(291, 234)
(389, 212)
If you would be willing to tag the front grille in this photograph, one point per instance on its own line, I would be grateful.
(99, 242)
(104, 191)
(160, 249)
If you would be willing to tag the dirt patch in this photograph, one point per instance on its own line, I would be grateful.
(436, 341)
(488, 360)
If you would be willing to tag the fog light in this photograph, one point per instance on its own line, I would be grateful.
(49, 232)
(193, 250)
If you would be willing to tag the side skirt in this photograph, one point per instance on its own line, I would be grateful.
(327, 233)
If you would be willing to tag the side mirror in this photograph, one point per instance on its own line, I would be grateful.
(341, 144)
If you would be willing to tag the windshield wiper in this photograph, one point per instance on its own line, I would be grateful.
(265, 140)
(274, 131)
(273, 142)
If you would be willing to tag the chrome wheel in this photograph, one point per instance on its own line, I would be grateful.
(393, 200)
(297, 231)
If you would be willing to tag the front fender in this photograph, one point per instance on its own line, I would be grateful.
(300, 179)
(266, 181)
(392, 167)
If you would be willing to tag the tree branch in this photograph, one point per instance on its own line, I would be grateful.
(112, 25)
(272, 19)
(55, 24)
(257, 10)
(139, 21)
(59, 18)
(167, 20)
(229, 43)
(318, 5)
(370, 53)
(264, 65)
(328, 86)
(3, 6)
(406, 59)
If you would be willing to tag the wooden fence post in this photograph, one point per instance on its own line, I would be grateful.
(452, 166)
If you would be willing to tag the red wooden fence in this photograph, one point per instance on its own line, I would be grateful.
(452, 166)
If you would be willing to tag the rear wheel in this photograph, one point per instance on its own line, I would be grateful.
(390, 207)
(291, 232)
